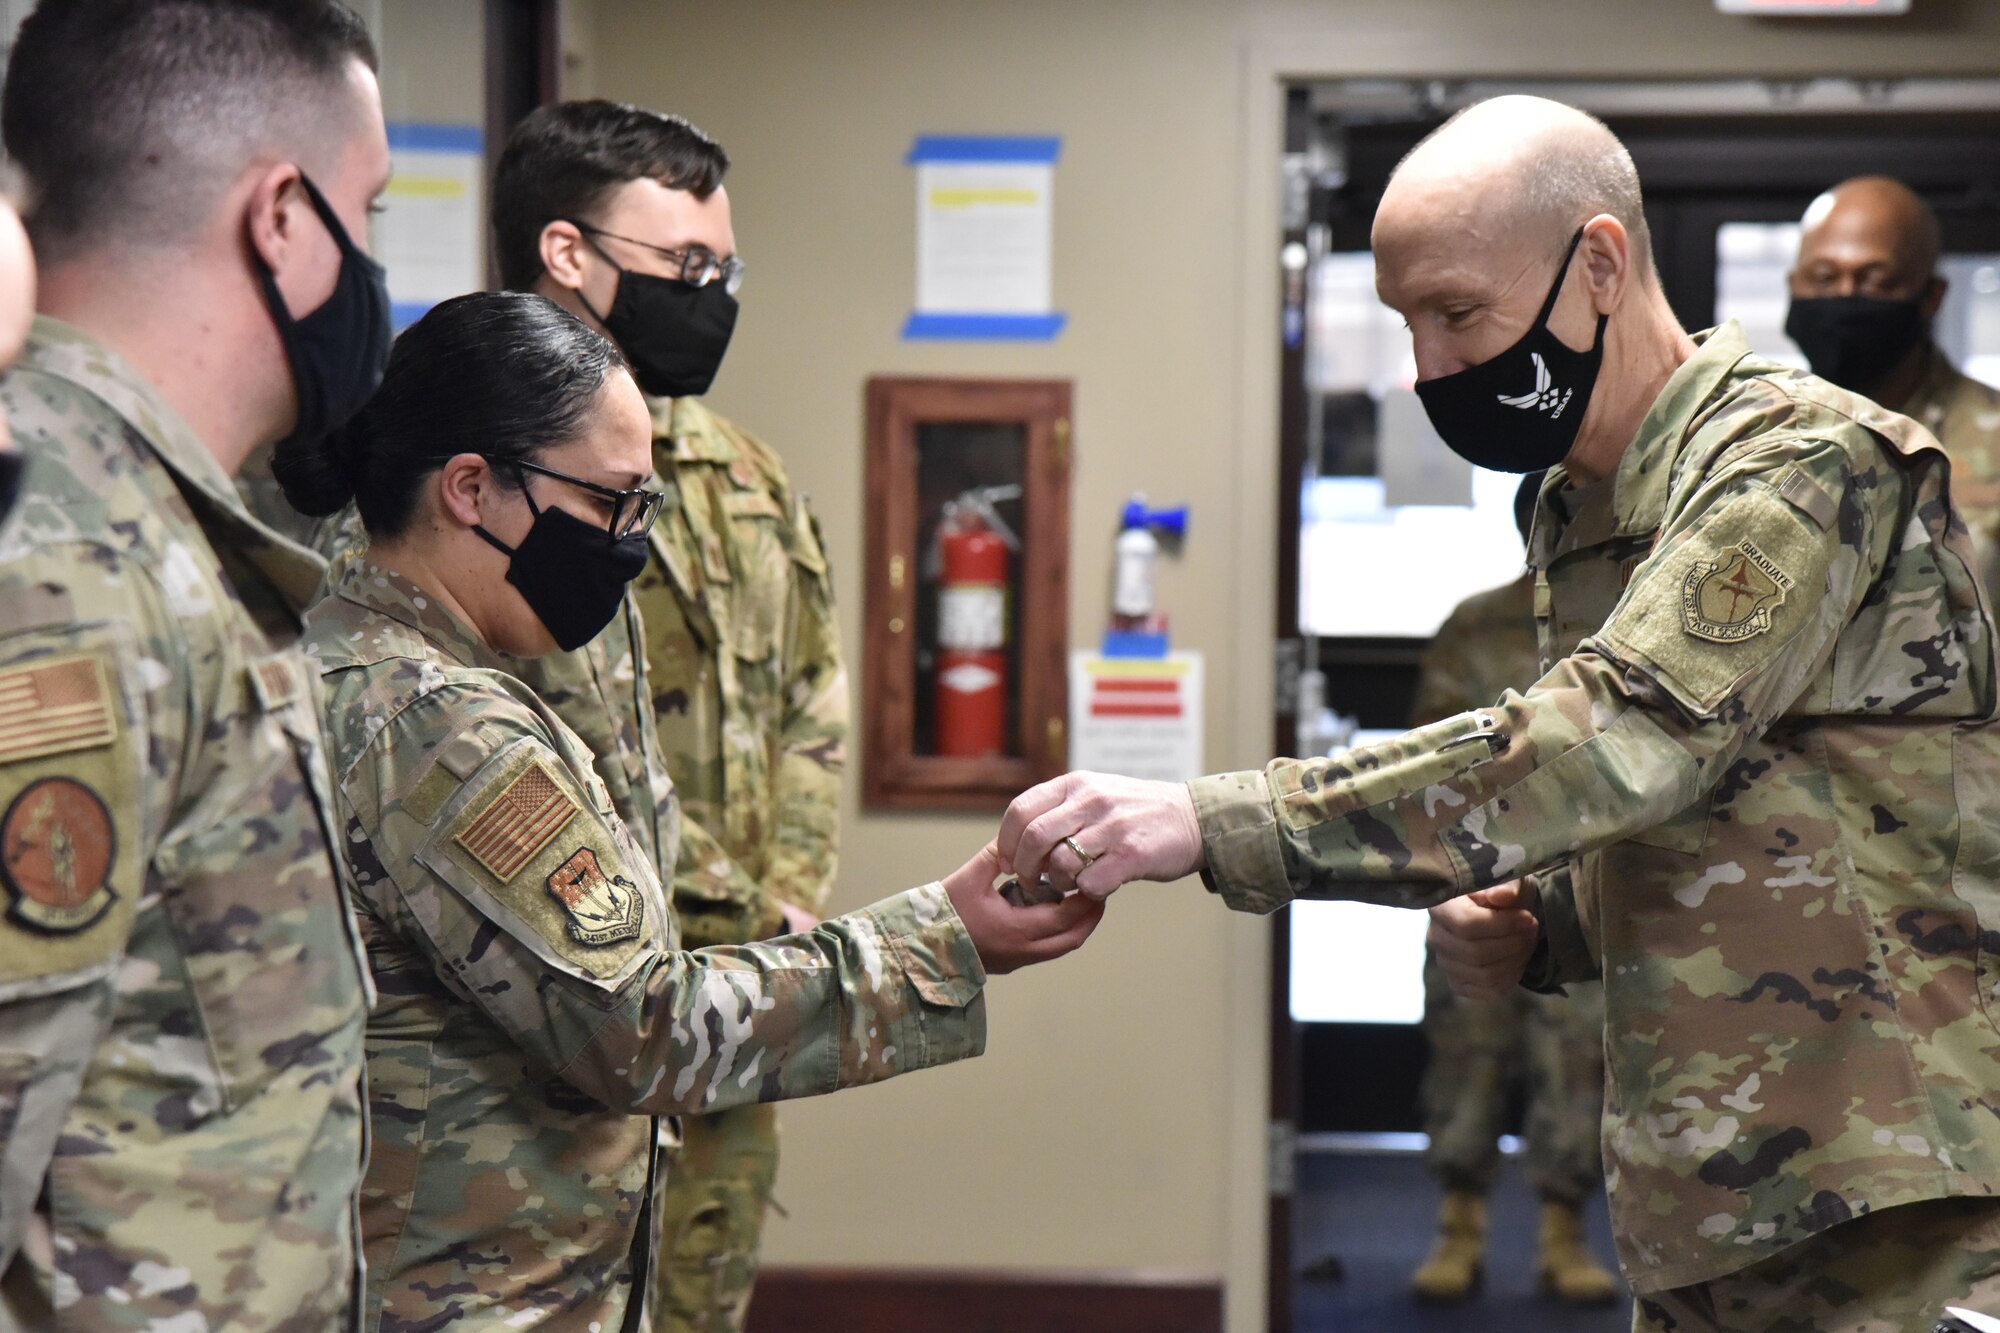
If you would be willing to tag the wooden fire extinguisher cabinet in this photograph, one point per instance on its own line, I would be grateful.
(931, 441)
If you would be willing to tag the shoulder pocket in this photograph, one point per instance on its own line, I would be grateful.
(533, 853)
(1722, 605)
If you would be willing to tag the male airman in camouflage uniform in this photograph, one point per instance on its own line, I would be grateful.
(182, 992)
(750, 696)
(594, 203)
(1865, 291)
(1479, 1049)
(1763, 740)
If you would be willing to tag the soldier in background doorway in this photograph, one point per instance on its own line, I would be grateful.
(1864, 295)
(1481, 1048)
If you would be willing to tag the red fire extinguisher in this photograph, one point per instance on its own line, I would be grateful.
(975, 553)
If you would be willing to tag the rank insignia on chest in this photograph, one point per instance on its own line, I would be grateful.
(1731, 599)
(603, 909)
(56, 850)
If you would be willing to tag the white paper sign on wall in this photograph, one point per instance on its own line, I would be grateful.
(985, 238)
(429, 233)
(1138, 716)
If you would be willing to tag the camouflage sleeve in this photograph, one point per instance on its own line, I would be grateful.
(516, 880)
(1738, 607)
(1445, 682)
(89, 740)
(812, 738)
(893, 988)
(1562, 952)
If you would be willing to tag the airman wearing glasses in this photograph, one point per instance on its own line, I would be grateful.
(620, 216)
(538, 1016)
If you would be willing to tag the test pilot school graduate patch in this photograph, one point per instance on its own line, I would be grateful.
(56, 852)
(603, 909)
(1731, 599)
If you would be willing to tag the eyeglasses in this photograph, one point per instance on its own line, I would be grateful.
(697, 264)
(632, 511)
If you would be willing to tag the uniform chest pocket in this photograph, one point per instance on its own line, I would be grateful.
(267, 948)
(762, 568)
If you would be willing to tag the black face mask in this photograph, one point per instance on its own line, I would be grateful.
(339, 351)
(672, 332)
(1519, 411)
(1855, 341)
(571, 573)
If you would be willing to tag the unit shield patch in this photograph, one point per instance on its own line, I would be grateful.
(56, 853)
(1731, 599)
(603, 909)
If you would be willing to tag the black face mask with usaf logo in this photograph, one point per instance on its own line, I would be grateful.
(1519, 411)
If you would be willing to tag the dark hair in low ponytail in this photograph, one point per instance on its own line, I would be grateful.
(504, 374)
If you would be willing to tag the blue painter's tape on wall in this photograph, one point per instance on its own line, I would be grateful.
(411, 137)
(1008, 328)
(985, 148)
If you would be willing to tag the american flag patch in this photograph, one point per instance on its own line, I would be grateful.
(55, 706)
(519, 822)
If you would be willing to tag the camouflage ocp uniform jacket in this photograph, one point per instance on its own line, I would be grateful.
(182, 992)
(1964, 414)
(749, 690)
(1768, 745)
(535, 1012)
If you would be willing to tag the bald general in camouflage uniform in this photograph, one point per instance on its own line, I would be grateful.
(1765, 736)
(1764, 743)
(535, 1012)
(181, 989)
(1481, 1049)
(750, 696)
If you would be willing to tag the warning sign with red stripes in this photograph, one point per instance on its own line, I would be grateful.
(1138, 716)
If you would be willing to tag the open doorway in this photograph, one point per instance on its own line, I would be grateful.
(1728, 167)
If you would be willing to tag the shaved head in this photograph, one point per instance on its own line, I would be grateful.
(1868, 236)
(1522, 217)
(1530, 167)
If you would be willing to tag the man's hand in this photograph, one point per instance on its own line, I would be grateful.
(1483, 940)
(1010, 937)
(1124, 828)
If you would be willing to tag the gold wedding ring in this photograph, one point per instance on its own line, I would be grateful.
(1081, 855)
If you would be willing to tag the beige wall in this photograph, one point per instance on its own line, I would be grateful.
(433, 59)
(1117, 1120)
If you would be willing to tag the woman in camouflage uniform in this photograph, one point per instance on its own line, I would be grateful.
(536, 1013)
